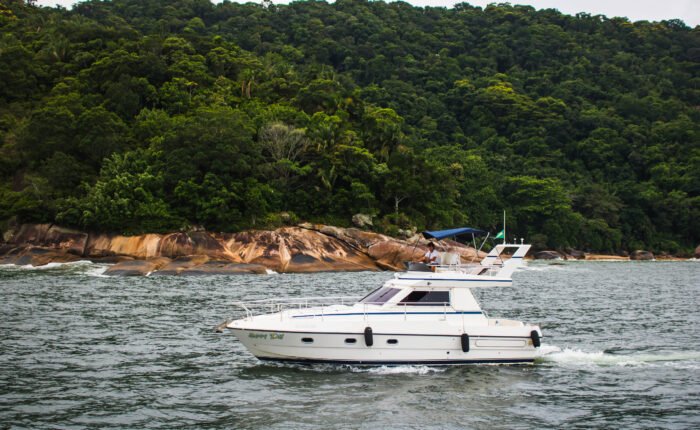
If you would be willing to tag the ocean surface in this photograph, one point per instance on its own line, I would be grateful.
(82, 350)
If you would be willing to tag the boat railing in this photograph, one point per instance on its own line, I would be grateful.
(258, 307)
(325, 306)
(467, 269)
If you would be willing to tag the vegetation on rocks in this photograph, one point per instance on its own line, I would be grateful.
(136, 116)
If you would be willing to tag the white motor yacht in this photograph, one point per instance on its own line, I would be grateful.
(426, 315)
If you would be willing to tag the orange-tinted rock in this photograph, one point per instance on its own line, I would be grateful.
(193, 243)
(137, 267)
(294, 249)
(36, 256)
(181, 264)
(142, 246)
(697, 252)
(224, 268)
(391, 255)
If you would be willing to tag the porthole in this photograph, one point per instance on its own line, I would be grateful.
(307, 339)
(350, 340)
(392, 341)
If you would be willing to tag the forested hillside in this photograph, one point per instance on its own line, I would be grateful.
(153, 115)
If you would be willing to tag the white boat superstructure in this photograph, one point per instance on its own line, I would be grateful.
(426, 315)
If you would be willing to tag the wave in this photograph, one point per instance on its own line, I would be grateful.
(47, 266)
(85, 267)
(577, 357)
(271, 272)
(401, 369)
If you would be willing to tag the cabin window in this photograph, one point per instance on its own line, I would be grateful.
(392, 341)
(380, 296)
(350, 340)
(426, 298)
(307, 339)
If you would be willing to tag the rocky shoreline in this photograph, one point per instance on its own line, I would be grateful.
(300, 249)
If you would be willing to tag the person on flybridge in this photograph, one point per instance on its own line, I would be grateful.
(431, 256)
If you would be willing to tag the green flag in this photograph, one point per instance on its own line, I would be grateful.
(499, 235)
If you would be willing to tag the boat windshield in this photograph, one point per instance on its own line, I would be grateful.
(380, 295)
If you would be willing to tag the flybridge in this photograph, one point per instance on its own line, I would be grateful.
(493, 271)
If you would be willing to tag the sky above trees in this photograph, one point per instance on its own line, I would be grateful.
(636, 10)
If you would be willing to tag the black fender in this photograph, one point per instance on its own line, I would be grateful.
(535, 336)
(465, 342)
(369, 338)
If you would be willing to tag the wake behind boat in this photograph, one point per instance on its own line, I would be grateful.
(426, 315)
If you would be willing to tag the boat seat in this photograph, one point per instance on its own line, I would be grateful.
(449, 259)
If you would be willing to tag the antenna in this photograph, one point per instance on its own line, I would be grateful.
(504, 226)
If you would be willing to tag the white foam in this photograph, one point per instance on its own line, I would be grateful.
(577, 357)
(271, 272)
(97, 271)
(395, 370)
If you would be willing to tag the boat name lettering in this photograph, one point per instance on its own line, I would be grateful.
(273, 336)
(257, 335)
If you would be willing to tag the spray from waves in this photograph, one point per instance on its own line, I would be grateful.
(396, 370)
(271, 272)
(372, 370)
(48, 266)
(85, 267)
(579, 358)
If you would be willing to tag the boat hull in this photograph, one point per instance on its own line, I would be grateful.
(386, 348)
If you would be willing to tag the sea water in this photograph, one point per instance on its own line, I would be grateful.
(82, 350)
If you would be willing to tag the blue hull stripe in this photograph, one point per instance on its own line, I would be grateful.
(399, 363)
(454, 280)
(389, 313)
(315, 333)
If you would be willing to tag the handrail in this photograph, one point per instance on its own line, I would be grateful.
(280, 305)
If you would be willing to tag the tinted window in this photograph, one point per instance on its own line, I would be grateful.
(380, 296)
(427, 298)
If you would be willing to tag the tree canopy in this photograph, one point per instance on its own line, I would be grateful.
(152, 115)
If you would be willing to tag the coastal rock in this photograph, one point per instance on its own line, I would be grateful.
(641, 255)
(36, 256)
(697, 252)
(192, 243)
(392, 255)
(5, 248)
(575, 253)
(112, 259)
(104, 245)
(181, 264)
(306, 248)
(51, 236)
(295, 249)
(547, 255)
(604, 257)
(137, 267)
(223, 268)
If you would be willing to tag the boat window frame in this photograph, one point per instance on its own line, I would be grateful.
(393, 290)
(402, 301)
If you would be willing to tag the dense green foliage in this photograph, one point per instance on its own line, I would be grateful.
(151, 115)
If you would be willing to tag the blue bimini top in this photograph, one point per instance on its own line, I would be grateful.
(453, 232)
